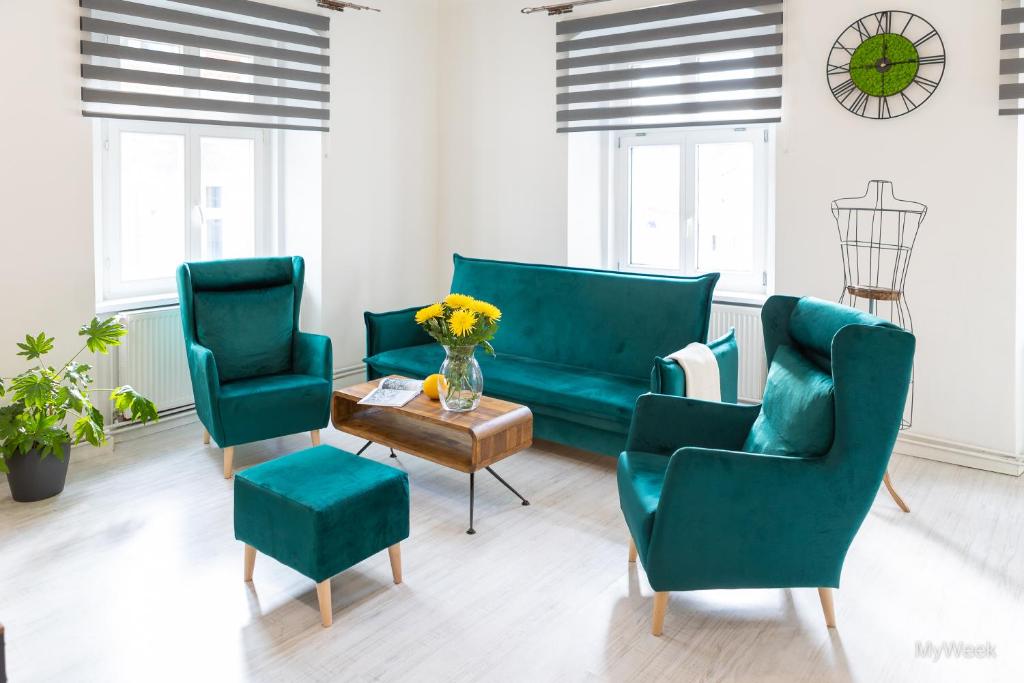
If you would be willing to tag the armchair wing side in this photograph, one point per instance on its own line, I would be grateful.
(662, 424)
(313, 354)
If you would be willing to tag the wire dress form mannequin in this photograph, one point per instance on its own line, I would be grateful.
(877, 232)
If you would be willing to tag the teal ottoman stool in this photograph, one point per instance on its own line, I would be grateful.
(321, 511)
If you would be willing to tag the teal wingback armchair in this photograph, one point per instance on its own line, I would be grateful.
(254, 374)
(717, 495)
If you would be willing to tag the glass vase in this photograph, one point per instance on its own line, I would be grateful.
(463, 382)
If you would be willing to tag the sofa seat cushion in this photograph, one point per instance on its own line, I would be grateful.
(266, 407)
(640, 478)
(798, 412)
(249, 331)
(321, 510)
(575, 390)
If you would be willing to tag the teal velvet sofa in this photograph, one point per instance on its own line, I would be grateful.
(771, 495)
(254, 374)
(575, 345)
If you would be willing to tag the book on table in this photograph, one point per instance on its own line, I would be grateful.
(393, 392)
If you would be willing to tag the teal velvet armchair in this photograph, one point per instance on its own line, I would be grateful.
(717, 495)
(254, 374)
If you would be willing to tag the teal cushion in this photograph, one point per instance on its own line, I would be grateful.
(640, 478)
(605, 321)
(249, 331)
(244, 273)
(321, 510)
(575, 390)
(667, 377)
(798, 412)
(814, 323)
(258, 408)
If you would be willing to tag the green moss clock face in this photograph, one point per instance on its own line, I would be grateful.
(886, 64)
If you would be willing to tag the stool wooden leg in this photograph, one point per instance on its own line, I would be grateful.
(323, 596)
(827, 606)
(315, 436)
(632, 550)
(229, 458)
(660, 604)
(206, 437)
(395, 554)
(250, 561)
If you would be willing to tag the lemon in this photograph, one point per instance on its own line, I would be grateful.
(432, 384)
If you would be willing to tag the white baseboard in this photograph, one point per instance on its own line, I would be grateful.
(941, 450)
(350, 373)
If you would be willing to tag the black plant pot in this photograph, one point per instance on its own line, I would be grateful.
(32, 478)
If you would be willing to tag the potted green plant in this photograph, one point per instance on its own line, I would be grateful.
(50, 408)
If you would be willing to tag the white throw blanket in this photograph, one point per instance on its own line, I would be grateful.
(700, 367)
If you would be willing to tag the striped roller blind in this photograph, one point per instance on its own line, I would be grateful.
(701, 62)
(228, 62)
(1011, 63)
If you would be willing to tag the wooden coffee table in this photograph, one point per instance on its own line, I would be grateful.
(467, 442)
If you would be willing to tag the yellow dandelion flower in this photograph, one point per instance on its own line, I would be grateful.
(458, 301)
(431, 311)
(488, 310)
(462, 322)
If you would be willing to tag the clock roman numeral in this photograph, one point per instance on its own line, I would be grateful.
(860, 104)
(843, 90)
(843, 47)
(884, 20)
(926, 83)
(862, 30)
(934, 59)
(907, 102)
(906, 25)
(925, 38)
(884, 112)
(834, 69)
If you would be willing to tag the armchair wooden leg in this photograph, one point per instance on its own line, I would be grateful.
(395, 555)
(315, 436)
(206, 437)
(892, 492)
(660, 605)
(323, 596)
(250, 562)
(229, 458)
(632, 550)
(827, 606)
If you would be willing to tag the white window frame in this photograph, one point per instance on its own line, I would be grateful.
(110, 287)
(755, 281)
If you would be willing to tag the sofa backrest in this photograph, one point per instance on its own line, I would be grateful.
(244, 310)
(596, 319)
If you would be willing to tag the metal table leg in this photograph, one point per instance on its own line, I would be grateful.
(472, 480)
(508, 486)
(365, 446)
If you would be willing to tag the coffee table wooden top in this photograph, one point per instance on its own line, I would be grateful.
(467, 442)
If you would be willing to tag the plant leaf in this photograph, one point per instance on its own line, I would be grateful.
(35, 347)
(34, 389)
(140, 408)
(102, 334)
(87, 429)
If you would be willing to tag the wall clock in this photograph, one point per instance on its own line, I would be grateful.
(886, 64)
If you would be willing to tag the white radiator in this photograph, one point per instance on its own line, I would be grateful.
(749, 337)
(152, 359)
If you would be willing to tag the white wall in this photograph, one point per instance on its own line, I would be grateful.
(380, 174)
(503, 181)
(45, 180)
(501, 162)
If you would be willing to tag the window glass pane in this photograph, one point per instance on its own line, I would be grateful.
(654, 206)
(151, 66)
(228, 186)
(152, 205)
(725, 206)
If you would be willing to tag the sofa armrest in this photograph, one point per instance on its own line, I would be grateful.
(312, 354)
(663, 424)
(668, 378)
(205, 387)
(393, 330)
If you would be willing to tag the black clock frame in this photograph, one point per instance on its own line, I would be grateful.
(861, 26)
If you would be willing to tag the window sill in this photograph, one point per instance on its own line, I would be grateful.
(135, 303)
(754, 300)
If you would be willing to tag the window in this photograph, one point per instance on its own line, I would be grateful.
(692, 202)
(178, 192)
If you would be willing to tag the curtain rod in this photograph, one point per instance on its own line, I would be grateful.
(341, 6)
(561, 8)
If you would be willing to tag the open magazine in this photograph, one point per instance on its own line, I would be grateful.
(393, 391)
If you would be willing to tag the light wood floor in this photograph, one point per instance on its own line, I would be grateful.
(132, 574)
